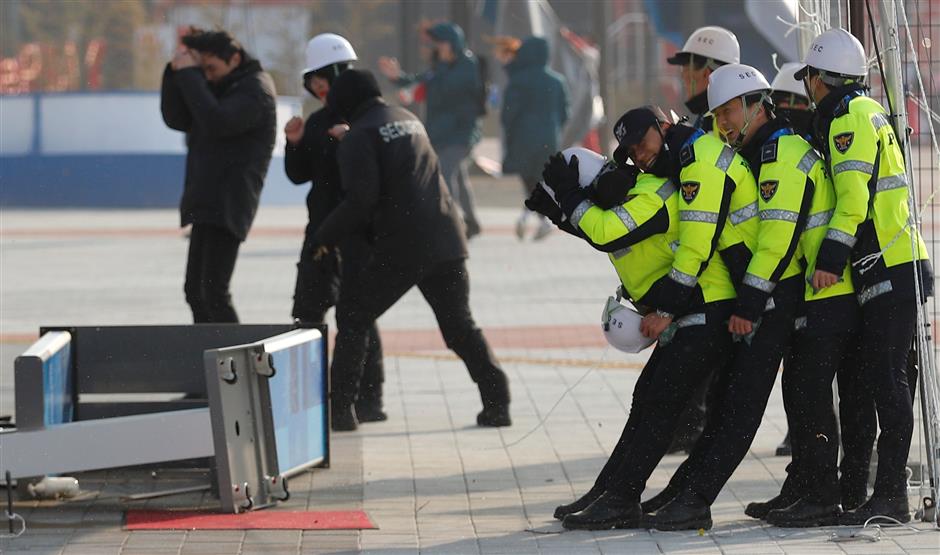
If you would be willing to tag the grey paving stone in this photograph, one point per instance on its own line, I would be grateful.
(428, 477)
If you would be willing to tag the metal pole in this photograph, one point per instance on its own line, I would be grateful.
(890, 47)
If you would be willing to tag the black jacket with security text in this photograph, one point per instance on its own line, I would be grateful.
(230, 129)
(391, 180)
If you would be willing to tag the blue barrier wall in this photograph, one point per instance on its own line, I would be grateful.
(106, 150)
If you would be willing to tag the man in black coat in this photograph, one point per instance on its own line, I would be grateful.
(220, 97)
(392, 182)
(310, 156)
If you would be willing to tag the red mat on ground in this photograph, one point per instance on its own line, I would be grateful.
(256, 520)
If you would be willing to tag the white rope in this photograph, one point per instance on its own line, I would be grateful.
(570, 388)
(930, 388)
(14, 517)
(925, 107)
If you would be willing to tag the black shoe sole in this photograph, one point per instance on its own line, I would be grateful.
(760, 515)
(371, 417)
(633, 523)
(817, 522)
(694, 524)
(564, 510)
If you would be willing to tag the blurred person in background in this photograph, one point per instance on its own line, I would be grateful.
(225, 103)
(456, 100)
(310, 156)
(535, 109)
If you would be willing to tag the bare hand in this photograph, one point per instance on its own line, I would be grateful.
(389, 67)
(184, 58)
(822, 280)
(294, 130)
(338, 131)
(740, 326)
(653, 325)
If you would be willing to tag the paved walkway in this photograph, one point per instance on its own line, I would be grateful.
(431, 480)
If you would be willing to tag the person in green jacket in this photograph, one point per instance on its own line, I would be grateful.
(769, 296)
(455, 97)
(872, 231)
(714, 217)
(534, 111)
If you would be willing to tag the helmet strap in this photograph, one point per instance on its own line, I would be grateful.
(748, 117)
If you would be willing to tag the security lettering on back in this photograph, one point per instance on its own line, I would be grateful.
(843, 141)
(689, 191)
(768, 189)
(398, 129)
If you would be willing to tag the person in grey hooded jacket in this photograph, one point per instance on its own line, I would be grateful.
(535, 109)
(455, 98)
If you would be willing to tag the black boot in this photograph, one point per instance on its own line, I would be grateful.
(687, 511)
(370, 410)
(657, 502)
(561, 511)
(761, 509)
(494, 416)
(854, 499)
(805, 514)
(608, 511)
(893, 507)
(343, 417)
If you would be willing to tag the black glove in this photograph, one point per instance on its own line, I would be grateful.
(561, 176)
(540, 201)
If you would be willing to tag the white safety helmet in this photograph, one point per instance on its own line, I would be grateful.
(621, 327)
(328, 49)
(590, 165)
(712, 42)
(784, 81)
(836, 52)
(732, 81)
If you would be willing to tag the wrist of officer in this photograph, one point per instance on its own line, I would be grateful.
(663, 314)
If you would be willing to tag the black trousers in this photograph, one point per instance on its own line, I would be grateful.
(320, 285)
(446, 287)
(886, 335)
(671, 376)
(209, 267)
(318, 281)
(744, 388)
(814, 361)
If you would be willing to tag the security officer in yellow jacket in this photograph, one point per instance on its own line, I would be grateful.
(768, 298)
(872, 230)
(635, 219)
(694, 295)
(706, 49)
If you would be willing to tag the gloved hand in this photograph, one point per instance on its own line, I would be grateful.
(540, 201)
(561, 176)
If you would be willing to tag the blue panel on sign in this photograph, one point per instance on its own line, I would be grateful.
(298, 405)
(57, 387)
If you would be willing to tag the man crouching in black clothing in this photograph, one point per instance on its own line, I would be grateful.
(392, 181)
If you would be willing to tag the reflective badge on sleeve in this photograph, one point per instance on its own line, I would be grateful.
(768, 189)
(843, 141)
(689, 190)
